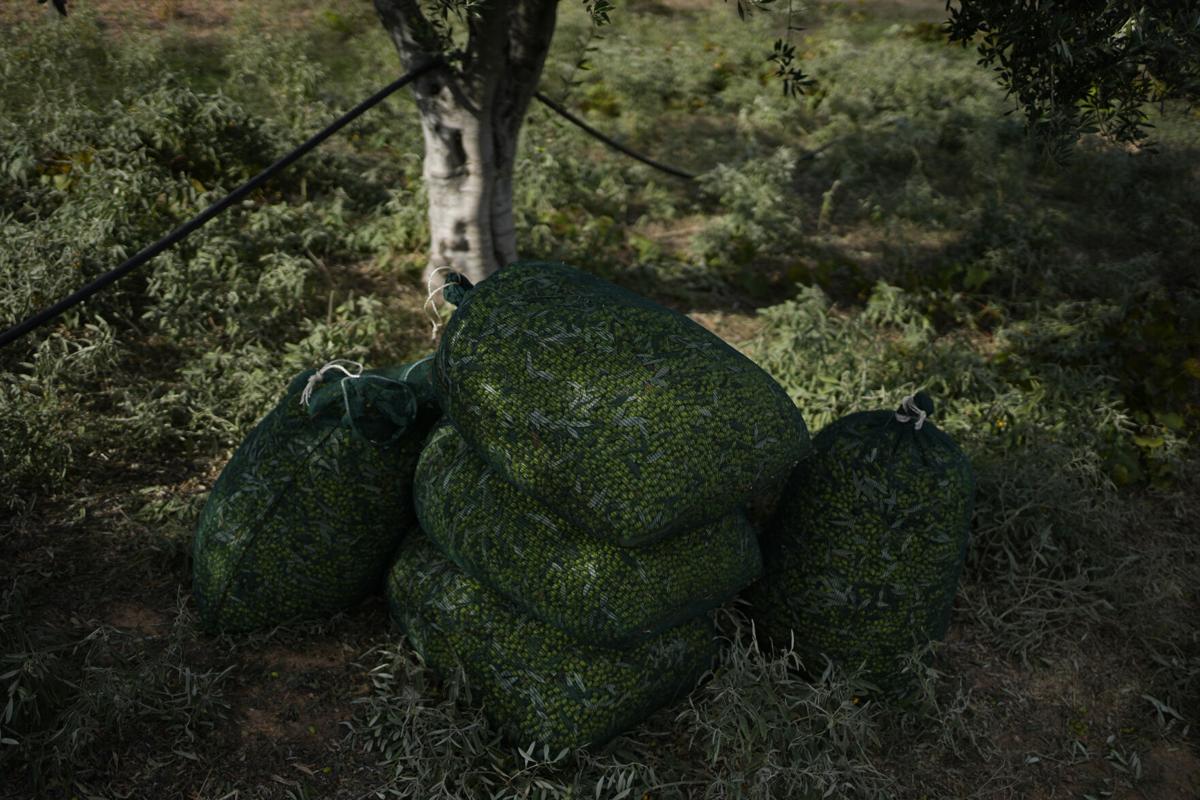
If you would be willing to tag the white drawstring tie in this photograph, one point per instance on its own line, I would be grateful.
(911, 412)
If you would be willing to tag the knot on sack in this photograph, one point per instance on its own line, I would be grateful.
(915, 408)
(319, 376)
(372, 403)
(453, 290)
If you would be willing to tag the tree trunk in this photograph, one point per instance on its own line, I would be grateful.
(471, 118)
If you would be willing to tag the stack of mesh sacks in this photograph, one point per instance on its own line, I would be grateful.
(584, 502)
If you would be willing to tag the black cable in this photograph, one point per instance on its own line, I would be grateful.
(612, 143)
(16, 332)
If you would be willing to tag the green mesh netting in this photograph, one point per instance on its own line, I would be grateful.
(629, 419)
(761, 507)
(536, 683)
(304, 518)
(864, 555)
(597, 592)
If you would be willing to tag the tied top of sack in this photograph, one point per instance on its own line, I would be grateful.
(896, 476)
(904, 437)
(628, 418)
(379, 405)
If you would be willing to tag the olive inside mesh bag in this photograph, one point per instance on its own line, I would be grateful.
(305, 517)
(864, 555)
(597, 592)
(538, 684)
(628, 418)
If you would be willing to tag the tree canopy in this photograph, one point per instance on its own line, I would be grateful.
(1073, 67)
(1085, 67)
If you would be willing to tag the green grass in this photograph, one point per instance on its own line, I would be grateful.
(891, 231)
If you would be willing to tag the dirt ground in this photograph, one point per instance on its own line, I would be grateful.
(192, 17)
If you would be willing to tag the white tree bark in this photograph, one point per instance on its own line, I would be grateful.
(471, 120)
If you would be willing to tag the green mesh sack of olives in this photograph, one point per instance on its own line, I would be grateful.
(305, 517)
(536, 683)
(863, 557)
(628, 418)
(594, 591)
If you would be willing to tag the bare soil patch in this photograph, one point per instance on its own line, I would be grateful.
(138, 618)
(1172, 773)
(189, 16)
(736, 329)
(194, 18)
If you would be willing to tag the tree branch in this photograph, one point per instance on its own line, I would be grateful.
(414, 36)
